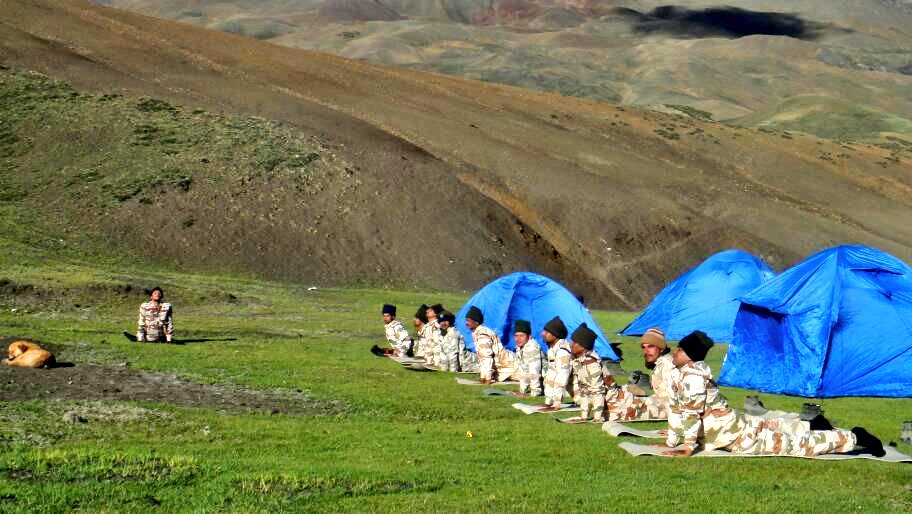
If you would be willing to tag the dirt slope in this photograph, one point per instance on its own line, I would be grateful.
(626, 199)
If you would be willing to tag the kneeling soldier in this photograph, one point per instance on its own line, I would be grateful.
(559, 367)
(708, 422)
(529, 359)
(453, 354)
(628, 403)
(396, 335)
(495, 363)
(587, 369)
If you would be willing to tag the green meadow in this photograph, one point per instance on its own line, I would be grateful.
(374, 437)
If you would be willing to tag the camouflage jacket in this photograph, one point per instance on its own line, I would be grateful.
(587, 368)
(494, 361)
(529, 359)
(155, 322)
(559, 368)
(397, 336)
(704, 415)
(661, 380)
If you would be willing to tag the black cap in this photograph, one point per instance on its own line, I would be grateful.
(446, 315)
(522, 325)
(422, 313)
(696, 345)
(557, 328)
(475, 314)
(584, 337)
(389, 309)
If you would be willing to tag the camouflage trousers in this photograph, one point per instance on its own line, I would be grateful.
(777, 436)
(530, 383)
(622, 405)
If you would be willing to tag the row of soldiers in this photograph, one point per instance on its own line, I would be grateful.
(683, 390)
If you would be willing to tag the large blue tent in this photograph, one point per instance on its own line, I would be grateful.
(704, 298)
(532, 297)
(837, 324)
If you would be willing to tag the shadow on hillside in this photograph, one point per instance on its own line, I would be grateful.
(132, 338)
(730, 22)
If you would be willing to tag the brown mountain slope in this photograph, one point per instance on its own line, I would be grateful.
(627, 199)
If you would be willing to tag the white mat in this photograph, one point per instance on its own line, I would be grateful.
(618, 429)
(575, 420)
(471, 382)
(525, 408)
(405, 360)
(644, 449)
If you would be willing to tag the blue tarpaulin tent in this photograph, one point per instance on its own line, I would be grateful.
(704, 298)
(837, 324)
(533, 297)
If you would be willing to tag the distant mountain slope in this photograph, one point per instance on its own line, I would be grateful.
(732, 61)
(472, 179)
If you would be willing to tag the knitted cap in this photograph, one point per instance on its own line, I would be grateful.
(475, 314)
(522, 325)
(655, 337)
(696, 345)
(584, 337)
(557, 328)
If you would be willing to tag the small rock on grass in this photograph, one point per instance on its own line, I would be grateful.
(73, 418)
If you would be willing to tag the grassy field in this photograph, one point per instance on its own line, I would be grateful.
(386, 440)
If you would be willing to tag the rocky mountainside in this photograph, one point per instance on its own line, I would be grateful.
(430, 179)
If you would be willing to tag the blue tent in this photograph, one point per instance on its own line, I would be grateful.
(704, 298)
(837, 324)
(533, 297)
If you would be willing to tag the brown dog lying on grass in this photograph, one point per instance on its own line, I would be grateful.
(26, 354)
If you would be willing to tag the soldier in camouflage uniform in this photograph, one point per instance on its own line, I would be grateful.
(422, 332)
(396, 335)
(587, 368)
(559, 366)
(529, 359)
(708, 422)
(433, 335)
(495, 363)
(628, 403)
(452, 353)
(155, 321)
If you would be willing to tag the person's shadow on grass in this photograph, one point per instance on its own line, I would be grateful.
(132, 338)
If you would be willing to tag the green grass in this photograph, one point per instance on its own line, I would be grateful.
(394, 440)
(399, 443)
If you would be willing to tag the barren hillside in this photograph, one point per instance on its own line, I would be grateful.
(467, 179)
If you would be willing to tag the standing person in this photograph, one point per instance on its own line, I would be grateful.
(495, 363)
(155, 319)
(396, 335)
(587, 368)
(708, 422)
(628, 403)
(559, 366)
(529, 359)
(453, 354)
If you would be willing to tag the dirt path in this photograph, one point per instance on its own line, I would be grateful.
(97, 382)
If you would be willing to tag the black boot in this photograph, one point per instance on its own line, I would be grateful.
(753, 406)
(376, 350)
(820, 423)
(867, 441)
(810, 411)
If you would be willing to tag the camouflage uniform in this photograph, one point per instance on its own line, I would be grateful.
(587, 368)
(529, 359)
(452, 353)
(623, 404)
(397, 336)
(421, 341)
(155, 322)
(558, 375)
(708, 421)
(494, 361)
(432, 341)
